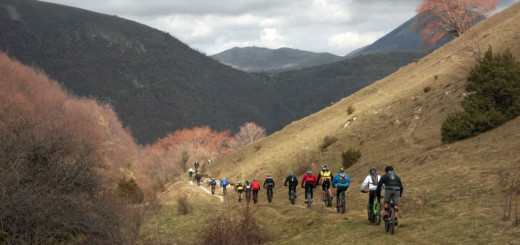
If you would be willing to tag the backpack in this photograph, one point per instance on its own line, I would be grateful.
(343, 178)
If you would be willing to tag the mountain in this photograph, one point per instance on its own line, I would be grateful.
(156, 84)
(403, 38)
(255, 59)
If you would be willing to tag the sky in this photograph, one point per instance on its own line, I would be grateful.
(213, 26)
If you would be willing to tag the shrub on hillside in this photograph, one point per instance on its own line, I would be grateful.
(183, 206)
(494, 97)
(327, 141)
(60, 160)
(129, 190)
(350, 109)
(350, 157)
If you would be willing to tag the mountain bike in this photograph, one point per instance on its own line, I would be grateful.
(212, 189)
(328, 199)
(224, 189)
(308, 196)
(341, 208)
(248, 195)
(198, 181)
(374, 214)
(239, 196)
(255, 196)
(292, 195)
(390, 222)
(269, 193)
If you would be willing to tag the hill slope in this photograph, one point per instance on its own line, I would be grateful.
(453, 193)
(254, 59)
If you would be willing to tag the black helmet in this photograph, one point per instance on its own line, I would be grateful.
(389, 168)
(372, 171)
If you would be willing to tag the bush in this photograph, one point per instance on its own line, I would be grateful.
(494, 88)
(427, 89)
(350, 109)
(350, 157)
(183, 206)
(327, 141)
(129, 190)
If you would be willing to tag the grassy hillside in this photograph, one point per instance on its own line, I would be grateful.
(454, 193)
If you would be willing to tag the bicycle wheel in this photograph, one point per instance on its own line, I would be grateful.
(328, 198)
(269, 194)
(370, 213)
(342, 207)
(309, 200)
(293, 199)
(224, 190)
(212, 190)
(377, 214)
(392, 220)
(255, 198)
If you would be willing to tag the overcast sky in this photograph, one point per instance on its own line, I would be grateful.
(212, 26)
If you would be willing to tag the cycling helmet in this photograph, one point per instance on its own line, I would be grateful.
(239, 182)
(372, 171)
(212, 178)
(342, 170)
(324, 166)
(389, 168)
(268, 175)
(291, 173)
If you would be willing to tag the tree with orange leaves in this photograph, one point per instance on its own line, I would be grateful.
(441, 18)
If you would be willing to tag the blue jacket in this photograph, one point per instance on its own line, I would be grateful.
(223, 182)
(336, 181)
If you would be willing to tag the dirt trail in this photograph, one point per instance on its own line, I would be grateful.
(209, 192)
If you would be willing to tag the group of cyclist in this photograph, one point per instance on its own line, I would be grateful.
(340, 181)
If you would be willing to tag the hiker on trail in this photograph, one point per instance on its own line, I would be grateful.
(198, 176)
(371, 180)
(223, 183)
(342, 181)
(190, 172)
(293, 182)
(309, 182)
(393, 190)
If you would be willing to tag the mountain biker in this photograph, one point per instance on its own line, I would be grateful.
(393, 190)
(343, 182)
(213, 183)
(325, 178)
(269, 184)
(223, 183)
(293, 182)
(239, 188)
(309, 180)
(255, 186)
(371, 180)
(196, 165)
(198, 176)
(190, 172)
(248, 188)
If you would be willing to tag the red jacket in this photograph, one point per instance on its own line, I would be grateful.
(255, 185)
(306, 178)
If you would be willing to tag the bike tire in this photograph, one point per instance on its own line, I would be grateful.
(378, 214)
(342, 203)
(269, 195)
(328, 201)
(392, 222)
(309, 200)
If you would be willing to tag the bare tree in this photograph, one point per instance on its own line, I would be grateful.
(249, 132)
(441, 18)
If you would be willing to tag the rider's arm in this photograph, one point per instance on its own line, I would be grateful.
(401, 186)
(334, 181)
(303, 179)
(380, 185)
(365, 183)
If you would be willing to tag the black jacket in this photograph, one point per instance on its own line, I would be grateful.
(268, 181)
(292, 180)
(390, 179)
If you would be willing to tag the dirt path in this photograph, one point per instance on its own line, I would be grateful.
(209, 192)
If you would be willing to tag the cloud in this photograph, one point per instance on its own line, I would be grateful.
(352, 39)
(335, 26)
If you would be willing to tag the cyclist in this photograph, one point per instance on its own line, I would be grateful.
(196, 165)
(324, 179)
(213, 183)
(269, 184)
(248, 188)
(198, 176)
(223, 183)
(255, 186)
(239, 188)
(293, 182)
(309, 180)
(343, 182)
(371, 180)
(190, 172)
(393, 190)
